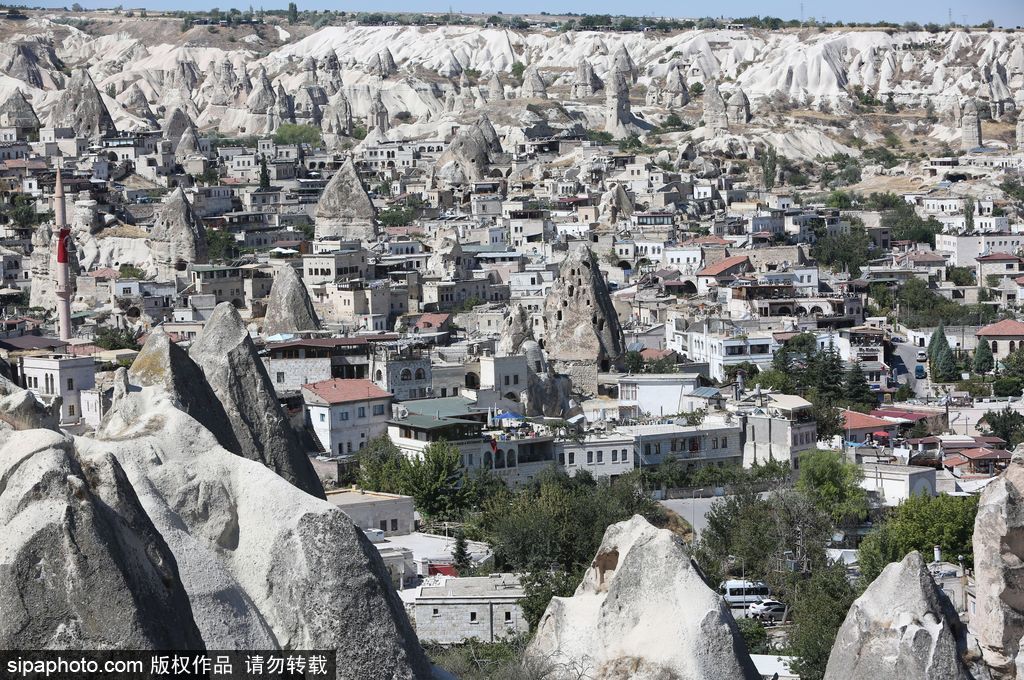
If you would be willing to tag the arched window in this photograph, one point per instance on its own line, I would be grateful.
(406, 375)
(995, 347)
(378, 376)
(488, 460)
(499, 459)
(1012, 343)
(421, 374)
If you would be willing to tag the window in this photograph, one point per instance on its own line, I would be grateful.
(625, 455)
(71, 382)
(405, 375)
(508, 617)
(590, 456)
(600, 456)
(394, 525)
(71, 409)
(472, 617)
(323, 417)
(343, 415)
(361, 412)
(725, 442)
(436, 612)
(615, 455)
(280, 377)
(383, 525)
(378, 409)
(515, 379)
(572, 458)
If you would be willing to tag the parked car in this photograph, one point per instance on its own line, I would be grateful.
(919, 372)
(767, 610)
(738, 593)
(922, 355)
(897, 339)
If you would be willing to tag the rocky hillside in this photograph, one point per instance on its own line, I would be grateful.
(427, 74)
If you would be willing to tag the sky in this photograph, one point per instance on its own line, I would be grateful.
(1009, 13)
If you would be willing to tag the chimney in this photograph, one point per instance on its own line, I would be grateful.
(937, 550)
(63, 274)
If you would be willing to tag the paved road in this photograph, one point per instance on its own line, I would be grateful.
(692, 510)
(905, 361)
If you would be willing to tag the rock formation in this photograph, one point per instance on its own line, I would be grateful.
(998, 619)
(902, 626)
(306, 105)
(582, 335)
(618, 116)
(737, 110)
(585, 82)
(228, 358)
(643, 612)
(379, 118)
(188, 146)
(16, 112)
(43, 264)
(289, 308)
(345, 210)
(676, 93)
(1020, 130)
(81, 108)
(83, 565)
(495, 90)
(515, 330)
(624, 64)
(467, 158)
(337, 116)
(284, 109)
(262, 98)
(264, 565)
(161, 363)
(715, 115)
(134, 102)
(382, 64)
(533, 85)
(178, 237)
(970, 126)
(175, 124)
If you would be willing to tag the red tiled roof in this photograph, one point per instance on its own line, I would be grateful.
(432, 320)
(985, 454)
(1006, 327)
(655, 354)
(893, 413)
(723, 266)
(105, 273)
(853, 420)
(997, 257)
(339, 391)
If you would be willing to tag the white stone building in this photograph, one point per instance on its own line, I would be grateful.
(345, 414)
(458, 609)
(60, 375)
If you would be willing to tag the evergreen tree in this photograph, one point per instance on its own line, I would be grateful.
(856, 390)
(769, 167)
(945, 368)
(968, 215)
(293, 13)
(983, 360)
(460, 555)
(937, 342)
(826, 374)
(264, 174)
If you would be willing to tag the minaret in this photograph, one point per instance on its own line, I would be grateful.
(63, 273)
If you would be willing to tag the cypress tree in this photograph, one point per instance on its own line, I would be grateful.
(856, 390)
(983, 359)
(945, 367)
(937, 342)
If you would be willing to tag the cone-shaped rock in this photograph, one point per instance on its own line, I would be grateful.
(162, 363)
(903, 626)
(226, 354)
(16, 112)
(178, 237)
(345, 210)
(533, 85)
(289, 308)
(81, 108)
(83, 565)
(644, 612)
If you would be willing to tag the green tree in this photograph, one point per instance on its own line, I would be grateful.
(1006, 387)
(937, 342)
(969, 215)
(289, 133)
(634, 361)
(696, 90)
(844, 251)
(460, 555)
(130, 271)
(1006, 424)
(983, 359)
(293, 13)
(264, 174)
(833, 484)
(220, 244)
(960, 276)
(856, 390)
(116, 338)
(518, 68)
(920, 523)
(754, 635)
(381, 466)
(436, 481)
(828, 419)
(396, 217)
(819, 610)
(769, 167)
(945, 367)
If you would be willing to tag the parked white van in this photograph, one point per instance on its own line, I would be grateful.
(742, 593)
